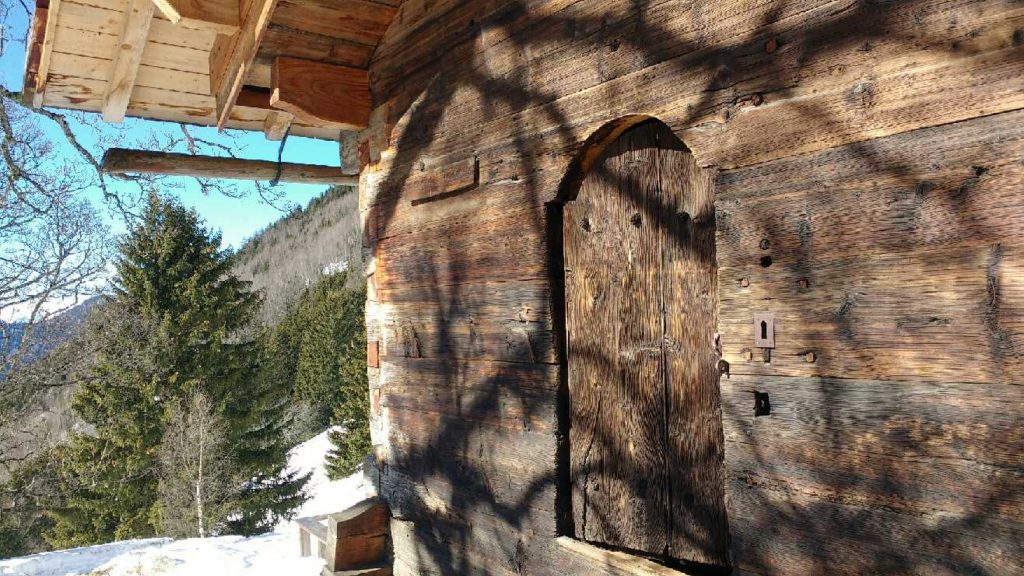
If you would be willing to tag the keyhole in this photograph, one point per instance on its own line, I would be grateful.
(764, 330)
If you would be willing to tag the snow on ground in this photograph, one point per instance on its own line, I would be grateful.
(268, 555)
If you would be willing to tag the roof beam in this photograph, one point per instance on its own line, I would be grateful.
(220, 16)
(124, 161)
(232, 56)
(43, 28)
(325, 95)
(137, 19)
(276, 125)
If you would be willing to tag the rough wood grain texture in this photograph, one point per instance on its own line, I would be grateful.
(137, 18)
(699, 530)
(874, 145)
(614, 562)
(460, 252)
(219, 16)
(298, 43)
(935, 314)
(897, 478)
(505, 395)
(508, 322)
(447, 181)
(321, 94)
(357, 21)
(122, 161)
(97, 16)
(615, 330)
(359, 536)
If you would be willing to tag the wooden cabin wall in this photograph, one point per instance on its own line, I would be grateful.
(870, 194)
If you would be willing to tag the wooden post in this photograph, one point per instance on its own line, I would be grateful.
(123, 161)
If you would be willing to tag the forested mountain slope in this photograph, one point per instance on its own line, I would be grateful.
(295, 251)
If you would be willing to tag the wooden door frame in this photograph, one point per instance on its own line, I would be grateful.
(592, 150)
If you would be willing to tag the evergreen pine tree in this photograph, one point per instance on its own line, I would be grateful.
(175, 280)
(332, 317)
(351, 412)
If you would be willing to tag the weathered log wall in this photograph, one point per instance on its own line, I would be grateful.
(870, 194)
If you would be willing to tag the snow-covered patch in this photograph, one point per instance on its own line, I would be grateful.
(334, 268)
(76, 560)
(268, 555)
(326, 496)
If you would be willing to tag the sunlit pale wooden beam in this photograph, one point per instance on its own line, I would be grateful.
(232, 56)
(220, 16)
(276, 124)
(128, 53)
(123, 161)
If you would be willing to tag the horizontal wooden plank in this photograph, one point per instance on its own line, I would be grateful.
(281, 40)
(884, 477)
(219, 16)
(471, 375)
(72, 65)
(156, 104)
(514, 407)
(422, 548)
(507, 472)
(102, 45)
(784, 532)
(948, 185)
(506, 322)
(359, 21)
(509, 247)
(937, 315)
(905, 446)
(125, 161)
(810, 119)
(77, 17)
(677, 90)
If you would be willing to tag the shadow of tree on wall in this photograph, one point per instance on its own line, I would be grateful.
(485, 484)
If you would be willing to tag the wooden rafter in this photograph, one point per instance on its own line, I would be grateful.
(123, 161)
(40, 51)
(232, 56)
(137, 19)
(321, 94)
(220, 16)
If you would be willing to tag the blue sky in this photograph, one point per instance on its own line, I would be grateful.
(237, 219)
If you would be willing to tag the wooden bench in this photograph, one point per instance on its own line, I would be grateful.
(354, 542)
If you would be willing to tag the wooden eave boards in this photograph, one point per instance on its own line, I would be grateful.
(100, 56)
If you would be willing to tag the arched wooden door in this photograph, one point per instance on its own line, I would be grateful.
(641, 315)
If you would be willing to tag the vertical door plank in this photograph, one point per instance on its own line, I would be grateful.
(615, 331)
(699, 531)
